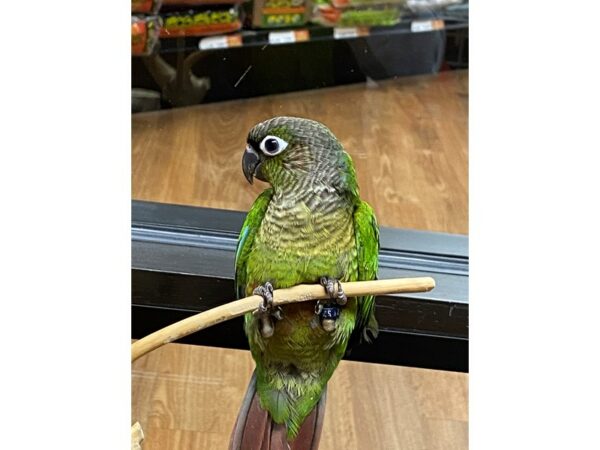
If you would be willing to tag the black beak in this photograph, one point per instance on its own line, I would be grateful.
(250, 163)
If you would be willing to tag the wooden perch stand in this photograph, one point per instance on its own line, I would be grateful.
(296, 294)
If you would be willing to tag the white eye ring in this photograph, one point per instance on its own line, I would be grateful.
(272, 145)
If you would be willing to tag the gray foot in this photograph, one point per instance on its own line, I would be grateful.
(334, 290)
(265, 311)
(329, 313)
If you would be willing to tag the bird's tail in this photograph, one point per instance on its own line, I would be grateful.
(255, 430)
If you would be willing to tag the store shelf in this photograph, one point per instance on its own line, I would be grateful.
(193, 70)
(311, 33)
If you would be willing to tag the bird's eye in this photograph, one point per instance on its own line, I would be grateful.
(273, 145)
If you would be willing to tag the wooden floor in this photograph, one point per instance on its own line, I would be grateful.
(187, 397)
(408, 138)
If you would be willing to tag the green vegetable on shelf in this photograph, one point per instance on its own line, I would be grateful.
(381, 15)
(371, 17)
(279, 13)
(201, 22)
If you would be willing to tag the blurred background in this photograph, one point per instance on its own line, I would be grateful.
(187, 52)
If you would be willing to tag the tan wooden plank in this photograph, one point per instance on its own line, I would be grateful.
(187, 397)
(408, 138)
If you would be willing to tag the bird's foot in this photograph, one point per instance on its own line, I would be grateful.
(334, 290)
(266, 311)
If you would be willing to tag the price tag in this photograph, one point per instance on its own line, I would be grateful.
(288, 37)
(420, 26)
(349, 33)
(216, 42)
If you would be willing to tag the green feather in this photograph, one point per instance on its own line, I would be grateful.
(367, 241)
(249, 228)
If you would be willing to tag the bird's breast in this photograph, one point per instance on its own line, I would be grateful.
(298, 244)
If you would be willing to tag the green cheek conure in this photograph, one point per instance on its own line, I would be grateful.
(310, 226)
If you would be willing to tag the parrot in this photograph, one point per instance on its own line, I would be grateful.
(309, 226)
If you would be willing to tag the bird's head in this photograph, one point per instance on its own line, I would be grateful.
(285, 151)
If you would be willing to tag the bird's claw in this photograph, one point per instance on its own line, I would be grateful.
(266, 311)
(266, 292)
(334, 290)
(328, 314)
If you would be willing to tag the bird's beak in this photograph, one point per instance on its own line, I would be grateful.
(250, 163)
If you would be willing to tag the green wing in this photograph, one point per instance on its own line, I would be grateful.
(367, 242)
(247, 233)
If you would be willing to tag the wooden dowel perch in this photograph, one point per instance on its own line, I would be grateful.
(296, 294)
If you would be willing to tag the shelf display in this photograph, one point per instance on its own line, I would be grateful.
(280, 13)
(191, 19)
(376, 15)
(358, 13)
(201, 21)
(182, 50)
(145, 31)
